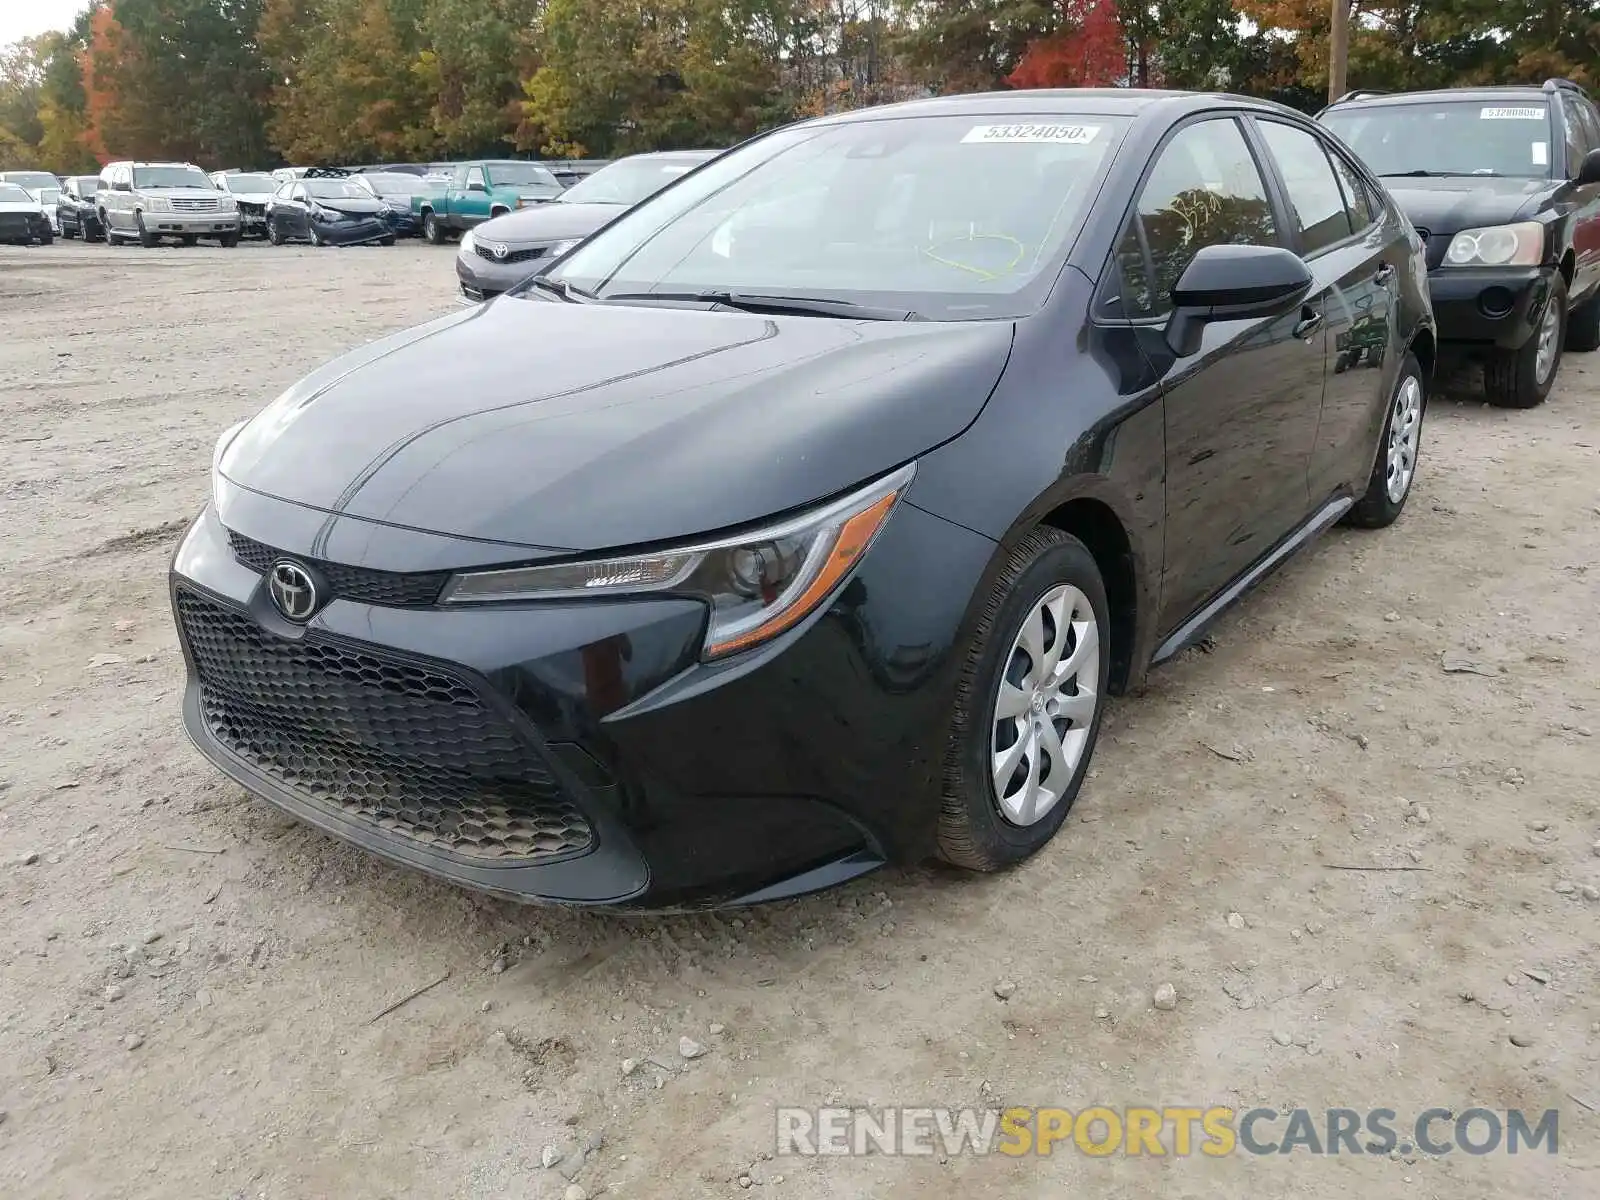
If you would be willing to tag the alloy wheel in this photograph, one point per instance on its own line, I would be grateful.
(1544, 361)
(1045, 706)
(1405, 435)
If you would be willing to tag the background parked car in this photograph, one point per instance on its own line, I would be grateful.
(31, 180)
(1504, 185)
(150, 201)
(399, 192)
(48, 198)
(571, 171)
(504, 251)
(22, 219)
(326, 212)
(481, 190)
(75, 209)
(251, 191)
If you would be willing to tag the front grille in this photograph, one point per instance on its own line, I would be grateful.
(15, 225)
(513, 256)
(393, 588)
(405, 748)
(194, 204)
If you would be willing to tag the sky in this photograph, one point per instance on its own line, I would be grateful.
(24, 18)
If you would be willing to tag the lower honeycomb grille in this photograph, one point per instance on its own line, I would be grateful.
(405, 748)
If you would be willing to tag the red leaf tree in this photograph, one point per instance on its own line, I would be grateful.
(1089, 50)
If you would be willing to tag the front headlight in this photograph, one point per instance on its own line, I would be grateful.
(468, 241)
(561, 248)
(158, 204)
(227, 204)
(757, 584)
(1521, 244)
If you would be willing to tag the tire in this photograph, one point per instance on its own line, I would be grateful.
(95, 232)
(1583, 326)
(189, 239)
(432, 229)
(46, 238)
(386, 241)
(316, 238)
(228, 241)
(274, 234)
(1511, 378)
(146, 238)
(67, 234)
(973, 831)
(1377, 507)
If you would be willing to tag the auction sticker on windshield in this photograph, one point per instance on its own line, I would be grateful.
(1066, 135)
(1512, 114)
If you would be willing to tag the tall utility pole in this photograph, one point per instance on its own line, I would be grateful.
(1338, 49)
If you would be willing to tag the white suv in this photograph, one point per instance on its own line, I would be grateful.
(150, 201)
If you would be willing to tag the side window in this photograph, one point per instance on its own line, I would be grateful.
(298, 193)
(475, 175)
(1576, 141)
(1204, 190)
(1314, 195)
(1353, 188)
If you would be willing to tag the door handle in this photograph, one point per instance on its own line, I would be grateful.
(1385, 275)
(1310, 321)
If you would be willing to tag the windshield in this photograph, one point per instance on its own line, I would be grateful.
(249, 183)
(336, 189)
(10, 193)
(954, 217)
(392, 184)
(522, 174)
(32, 179)
(88, 183)
(49, 195)
(1454, 137)
(171, 177)
(628, 181)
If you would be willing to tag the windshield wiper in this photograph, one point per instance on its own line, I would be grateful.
(1415, 174)
(754, 302)
(563, 289)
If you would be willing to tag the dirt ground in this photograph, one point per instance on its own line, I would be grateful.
(190, 984)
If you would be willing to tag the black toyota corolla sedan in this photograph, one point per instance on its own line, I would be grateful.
(804, 517)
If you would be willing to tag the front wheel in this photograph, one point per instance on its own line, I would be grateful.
(146, 238)
(1523, 378)
(316, 238)
(386, 241)
(274, 234)
(1401, 445)
(228, 240)
(1028, 705)
(432, 229)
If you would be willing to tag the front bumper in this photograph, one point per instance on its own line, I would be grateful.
(657, 782)
(1488, 307)
(253, 219)
(166, 224)
(482, 278)
(353, 233)
(23, 227)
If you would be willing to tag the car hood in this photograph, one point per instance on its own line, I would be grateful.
(548, 223)
(251, 197)
(1449, 204)
(25, 206)
(591, 426)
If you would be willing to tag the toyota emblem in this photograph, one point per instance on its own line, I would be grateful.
(498, 249)
(293, 591)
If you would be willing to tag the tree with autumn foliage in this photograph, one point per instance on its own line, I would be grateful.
(1088, 50)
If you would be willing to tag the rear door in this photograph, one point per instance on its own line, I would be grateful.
(1355, 261)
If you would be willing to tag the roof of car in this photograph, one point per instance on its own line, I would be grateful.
(1078, 101)
(1531, 91)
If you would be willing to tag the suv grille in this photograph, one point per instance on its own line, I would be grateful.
(405, 748)
(193, 204)
(514, 256)
(393, 588)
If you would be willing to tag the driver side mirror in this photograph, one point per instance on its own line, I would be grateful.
(1589, 169)
(1233, 283)
(476, 186)
(121, 186)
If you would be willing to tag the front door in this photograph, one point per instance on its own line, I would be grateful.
(1241, 412)
(1356, 263)
(1583, 136)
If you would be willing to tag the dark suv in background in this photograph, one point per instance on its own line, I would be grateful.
(1503, 183)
